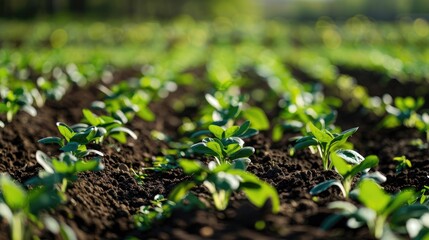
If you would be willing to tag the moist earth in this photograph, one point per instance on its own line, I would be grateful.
(101, 204)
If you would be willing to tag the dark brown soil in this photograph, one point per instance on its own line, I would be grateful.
(101, 205)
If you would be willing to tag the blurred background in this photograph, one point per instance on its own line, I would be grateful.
(302, 10)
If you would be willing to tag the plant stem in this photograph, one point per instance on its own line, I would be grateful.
(324, 160)
(64, 185)
(17, 227)
(379, 226)
(347, 184)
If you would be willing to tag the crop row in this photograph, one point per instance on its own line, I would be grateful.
(211, 148)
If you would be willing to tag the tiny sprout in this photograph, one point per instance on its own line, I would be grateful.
(403, 163)
(227, 145)
(328, 144)
(75, 140)
(348, 170)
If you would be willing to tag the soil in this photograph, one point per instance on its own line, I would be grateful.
(101, 205)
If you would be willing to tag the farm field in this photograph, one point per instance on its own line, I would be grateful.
(212, 129)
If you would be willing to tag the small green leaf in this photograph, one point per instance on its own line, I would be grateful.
(369, 162)
(14, 195)
(62, 167)
(67, 232)
(191, 167)
(180, 191)
(213, 102)
(257, 117)
(215, 147)
(243, 128)
(200, 133)
(320, 135)
(277, 133)
(203, 149)
(44, 161)
(347, 133)
(341, 166)
(91, 165)
(49, 140)
(242, 153)
(92, 151)
(91, 117)
(249, 133)
(217, 131)
(323, 186)
(350, 156)
(146, 114)
(125, 130)
(65, 130)
(70, 147)
(241, 163)
(229, 132)
(399, 200)
(373, 196)
(120, 137)
(232, 148)
(302, 145)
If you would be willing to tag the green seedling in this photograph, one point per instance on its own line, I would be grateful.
(107, 125)
(422, 196)
(75, 140)
(403, 163)
(228, 108)
(348, 168)
(227, 145)
(22, 209)
(53, 89)
(159, 208)
(405, 112)
(63, 170)
(221, 181)
(300, 106)
(162, 163)
(13, 101)
(328, 144)
(224, 111)
(124, 102)
(379, 209)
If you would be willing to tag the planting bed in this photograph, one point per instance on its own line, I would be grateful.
(101, 205)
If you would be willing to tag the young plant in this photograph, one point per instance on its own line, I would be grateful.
(221, 181)
(227, 145)
(107, 125)
(328, 144)
(228, 108)
(300, 106)
(403, 163)
(348, 168)
(62, 170)
(405, 112)
(123, 102)
(75, 140)
(13, 101)
(22, 209)
(159, 208)
(379, 208)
